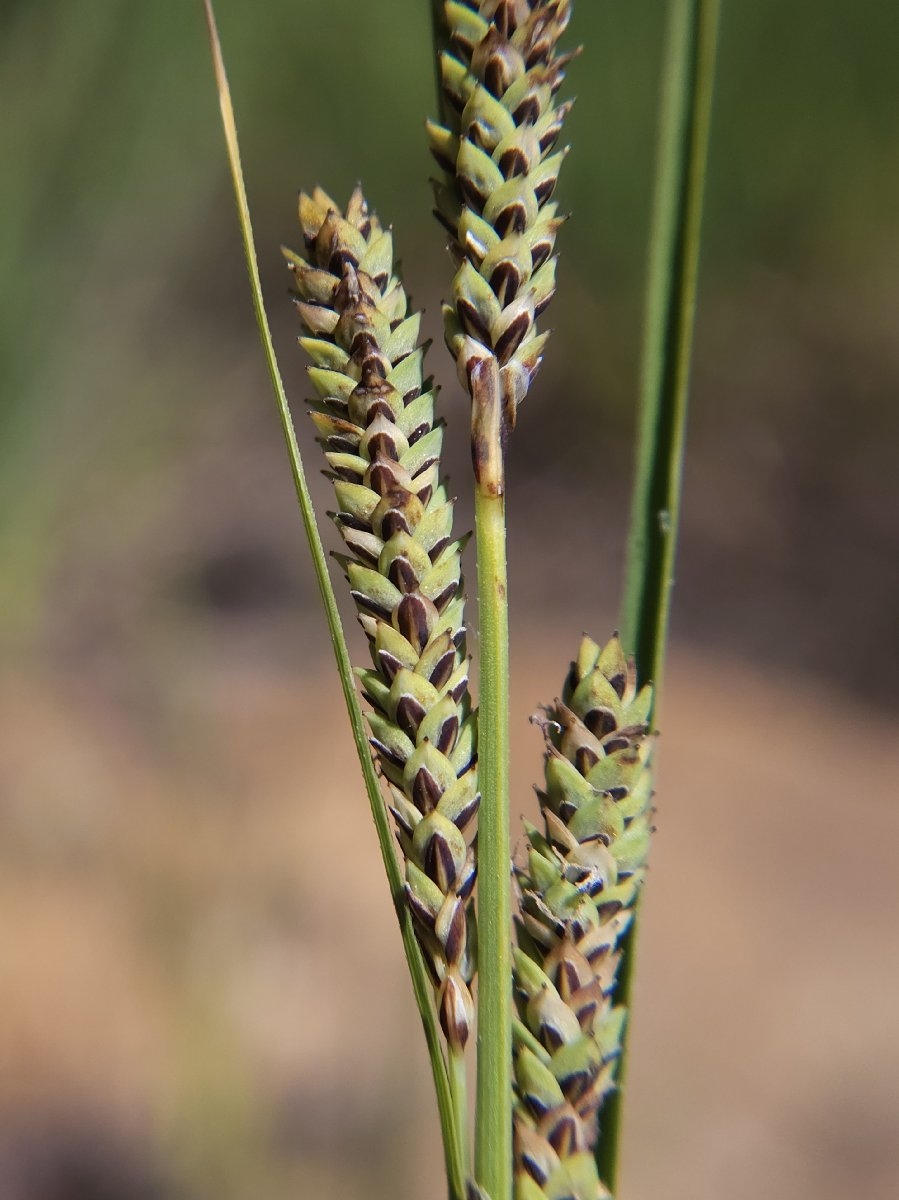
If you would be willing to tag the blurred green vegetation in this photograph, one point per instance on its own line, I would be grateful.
(123, 296)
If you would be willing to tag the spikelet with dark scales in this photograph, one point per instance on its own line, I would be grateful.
(498, 150)
(577, 899)
(375, 420)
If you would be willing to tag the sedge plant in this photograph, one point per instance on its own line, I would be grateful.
(535, 956)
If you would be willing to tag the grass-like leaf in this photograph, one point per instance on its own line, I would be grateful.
(667, 345)
(452, 1135)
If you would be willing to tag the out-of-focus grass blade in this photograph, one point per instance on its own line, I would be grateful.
(420, 982)
(667, 343)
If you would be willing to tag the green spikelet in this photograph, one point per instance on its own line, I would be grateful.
(498, 150)
(577, 899)
(375, 420)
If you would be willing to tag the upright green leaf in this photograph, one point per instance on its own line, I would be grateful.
(667, 345)
(452, 1134)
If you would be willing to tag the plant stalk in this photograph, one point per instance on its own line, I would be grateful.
(458, 1084)
(686, 105)
(493, 1125)
(448, 1106)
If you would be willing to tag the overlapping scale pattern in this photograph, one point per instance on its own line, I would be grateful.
(375, 420)
(578, 891)
(498, 150)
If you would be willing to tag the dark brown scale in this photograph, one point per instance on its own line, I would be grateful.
(455, 939)
(345, 473)
(466, 881)
(608, 908)
(386, 753)
(362, 552)
(545, 189)
(421, 913)
(540, 309)
(379, 407)
(567, 810)
(426, 791)
(551, 1037)
(611, 744)
(402, 575)
(412, 622)
(540, 252)
(409, 715)
(585, 758)
(394, 522)
(443, 599)
(514, 162)
(577, 1083)
(512, 337)
(350, 522)
(424, 466)
(418, 432)
(497, 76)
(338, 405)
(367, 604)
(439, 863)
(340, 259)
(528, 111)
(375, 365)
(383, 445)
(339, 444)
(438, 548)
(382, 477)
(445, 738)
(442, 672)
(504, 18)
(471, 321)
(512, 219)
(533, 1168)
(388, 664)
(600, 721)
(564, 1136)
(505, 280)
(468, 813)
(481, 136)
(473, 198)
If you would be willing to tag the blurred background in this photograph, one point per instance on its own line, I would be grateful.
(181, 830)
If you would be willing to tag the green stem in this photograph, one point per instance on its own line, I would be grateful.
(668, 338)
(458, 1082)
(453, 1134)
(493, 1124)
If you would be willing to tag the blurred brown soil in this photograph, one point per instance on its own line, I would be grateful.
(199, 956)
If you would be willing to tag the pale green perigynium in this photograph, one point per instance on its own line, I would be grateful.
(578, 891)
(498, 152)
(375, 419)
